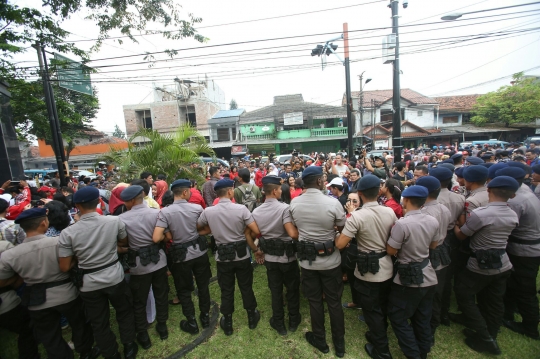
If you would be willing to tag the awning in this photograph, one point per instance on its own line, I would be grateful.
(221, 144)
(475, 129)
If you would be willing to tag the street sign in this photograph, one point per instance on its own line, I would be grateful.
(72, 75)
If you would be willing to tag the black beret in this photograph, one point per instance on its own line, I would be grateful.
(475, 173)
(181, 183)
(271, 180)
(504, 182)
(536, 169)
(459, 172)
(450, 166)
(456, 155)
(130, 192)
(430, 182)
(86, 194)
(31, 214)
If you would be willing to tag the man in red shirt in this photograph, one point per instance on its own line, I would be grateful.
(261, 172)
(196, 197)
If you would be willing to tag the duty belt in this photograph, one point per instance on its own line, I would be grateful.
(411, 273)
(94, 270)
(489, 258)
(278, 247)
(513, 239)
(309, 251)
(440, 255)
(36, 294)
(5, 289)
(178, 252)
(369, 262)
(229, 251)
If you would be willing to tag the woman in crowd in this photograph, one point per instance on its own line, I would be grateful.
(353, 203)
(161, 188)
(391, 192)
(116, 205)
(233, 173)
(432, 161)
(286, 193)
(295, 191)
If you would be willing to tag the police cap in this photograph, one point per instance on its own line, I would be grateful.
(86, 194)
(504, 182)
(514, 172)
(430, 182)
(474, 160)
(440, 173)
(459, 172)
(495, 168)
(516, 164)
(31, 214)
(224, 183)
(415, 191)
(475, 173)
(182, 183)
(130, 192)
(456, 156)
(312, 171)
(367, 182)
(450, 166)
(487, 165)
(271, 180)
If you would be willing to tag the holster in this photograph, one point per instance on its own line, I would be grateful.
(148, 254)
(213, 246)
(241, 249)
(489, 258)
(178, 253)
(411, 273)
(369, 262)
(440, 255)
(290, 248)
(277, 247)
(36, 294)
(310, 250)
(203, 243)
(76, 275)
(226, 252)
(132, 258)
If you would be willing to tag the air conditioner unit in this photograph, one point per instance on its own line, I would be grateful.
(252, 129)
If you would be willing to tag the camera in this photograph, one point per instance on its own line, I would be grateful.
(295, 153)
(405, 4)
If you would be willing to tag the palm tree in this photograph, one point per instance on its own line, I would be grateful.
(171, 154)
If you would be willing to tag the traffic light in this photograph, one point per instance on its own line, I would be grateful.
(334, 47)
(317, 51)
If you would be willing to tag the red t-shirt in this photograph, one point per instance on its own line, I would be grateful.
(295, 192)
(196, 197)
(398, 210)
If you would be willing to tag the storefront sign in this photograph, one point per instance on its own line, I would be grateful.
(293, 118)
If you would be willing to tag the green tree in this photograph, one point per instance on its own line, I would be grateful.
(170, 154)
(516, 103)
(118, 132)
(233, 105)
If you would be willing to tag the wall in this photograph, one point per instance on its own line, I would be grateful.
(425, 121)
(441, 116)
(164, 116)
(47, 151)
(244, 129)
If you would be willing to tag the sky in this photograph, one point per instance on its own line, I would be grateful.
(437, 58)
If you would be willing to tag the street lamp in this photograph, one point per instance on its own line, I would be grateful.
(455, 16)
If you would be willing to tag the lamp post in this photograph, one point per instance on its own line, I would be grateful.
(361, 105)
(455, 16)
(396, 104)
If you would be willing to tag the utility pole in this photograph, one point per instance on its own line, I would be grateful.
(396, 101)
(56, 134)
(350, 127)
(361, 105)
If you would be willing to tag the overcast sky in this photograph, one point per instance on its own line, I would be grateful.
(445, 64)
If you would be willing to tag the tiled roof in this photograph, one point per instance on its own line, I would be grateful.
(462, 103)
(107, 140)
(381, 96)
(93, 133)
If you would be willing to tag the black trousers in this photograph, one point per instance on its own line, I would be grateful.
(288, 275)
(374, 302)
(486, 317)
(17, 321)
(330, 281)
(183, 273)
(442, 275)
(48, 332)
(459, 257)
(521, 291)
(98, 312)
(140, 287)
(243, 271)
(414, 304)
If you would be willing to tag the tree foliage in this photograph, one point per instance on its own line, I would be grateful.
(118, 132)
(170, 154)
(516, 103)
(233, 105)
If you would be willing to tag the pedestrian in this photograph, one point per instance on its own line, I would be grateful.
(209, 194)
(316, 215)
(247, 194)
(336, 188)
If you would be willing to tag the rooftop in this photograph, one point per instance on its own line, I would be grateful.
(463, 103)
(229, 113)
(382, 96)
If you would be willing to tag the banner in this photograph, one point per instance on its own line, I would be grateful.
(293, 118)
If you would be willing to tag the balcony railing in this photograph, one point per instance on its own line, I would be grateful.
(332, 131)
(298, 133)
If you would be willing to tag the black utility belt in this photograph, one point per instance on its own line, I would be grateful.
(278, 247)
(311, 250)
(147, 254)
(94, 270)
(76, 274)
(411, 273)
(178, 252)
(516, 240)
(36, 294)
(440, 255)
(488, 258)
(368, 262)
(229, 251)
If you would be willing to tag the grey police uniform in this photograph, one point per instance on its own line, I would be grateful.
(281, 270)
(228, 221)
(524, 252)
(488, 228)
(140, 222)
(371, 226)
(315, 216)
(49, 295)
(411, 296)
(93, 240)
(180, 219)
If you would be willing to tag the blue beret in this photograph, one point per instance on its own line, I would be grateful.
(487, 165)
(475, 173)
(449, 161)
(536, 169)
(224, 183)
(456, 155)
(474, 160)
(450, 166)
(181, 183)
(516, 164)
(415, 191)
(440, 173)
(86, 194)
(505, 182)
(487, 155)
(514, 172)
(312, 171)
(495, 168)
(130, 192)
(271, 180)
(459, 172)
(31, 214)
(430, 182)
(367, 182)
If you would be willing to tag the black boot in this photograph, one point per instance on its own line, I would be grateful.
(144, 339)
(130, 350)
(369, 337)
(339, 346)
(189, 326)
(458, 318)
(445, 320)
(162, 330)
(253, 318)
(294, 322)
(483, 345)
(91, 354)
(469, 333)
(317, 343)
(226, 324)
(278, 326)
(375, 354)
(205, 320)
(520, 328)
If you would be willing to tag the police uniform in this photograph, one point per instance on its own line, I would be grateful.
(279, 258)
(148, 266)
(315, 216)
(49, 293)
(411, 295)
(440, 256)
(524, 252)
(228, 222)
(484, 279)
(188, 257)
(93, 240)
(14, 317)
(371, 226)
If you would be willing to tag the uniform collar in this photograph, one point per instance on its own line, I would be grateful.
(370, 204)
(270, 200)
(34, 238)
(89, 215)
(313, 190)
(480, 189)
(432, 203)
(139, 207)
(497, 204)
(412, 213)
(178, 201)
(224, 200)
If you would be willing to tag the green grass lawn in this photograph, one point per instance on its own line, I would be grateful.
(264, 342)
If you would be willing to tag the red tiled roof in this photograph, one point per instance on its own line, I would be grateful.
(462, 103)
(381, 96)
(93, 133)
(108, 139)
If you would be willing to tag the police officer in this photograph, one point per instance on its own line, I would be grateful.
(49, 293)
(411, 295)
(371, 226)
(278, 231)
(94, 240)
(440, 256)
(316, 215)
(524, 253)
(187, 256)
(484, 279)
(147, 262)
(230, 224)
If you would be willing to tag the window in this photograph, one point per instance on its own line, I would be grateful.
(223, 134)
(420, 113)
(144, 119)
(450, 119)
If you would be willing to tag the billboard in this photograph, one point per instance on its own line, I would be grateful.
(293, 118)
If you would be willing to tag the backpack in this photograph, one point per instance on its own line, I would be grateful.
(249, 199)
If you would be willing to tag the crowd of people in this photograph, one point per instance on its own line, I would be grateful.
(404, 235)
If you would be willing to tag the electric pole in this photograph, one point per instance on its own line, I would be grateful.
(396, 101)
